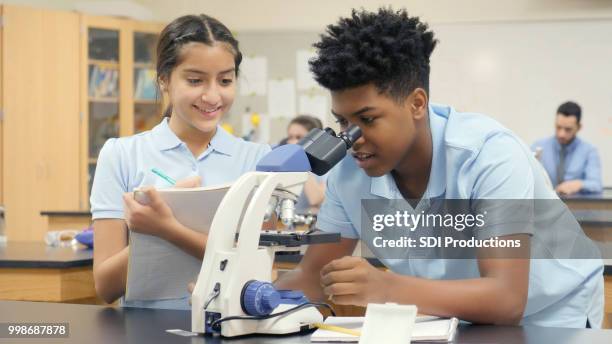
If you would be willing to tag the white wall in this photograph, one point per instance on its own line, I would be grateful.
(519, 73)
(313, 15)
(302, 15)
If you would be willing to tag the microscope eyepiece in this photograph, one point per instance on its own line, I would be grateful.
(325, 149)
(351, 135)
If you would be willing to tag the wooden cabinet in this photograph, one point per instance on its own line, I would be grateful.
(54, 117)
(41, 118)
(1, 131)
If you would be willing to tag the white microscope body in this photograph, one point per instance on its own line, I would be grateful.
(228, 265)
(220, 296)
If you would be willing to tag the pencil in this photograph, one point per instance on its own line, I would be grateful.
(337, 329)
(163, 176)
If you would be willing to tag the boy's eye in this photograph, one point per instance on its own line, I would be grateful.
(193, 81)
(342, 122)
(226, 82)
(367, 120)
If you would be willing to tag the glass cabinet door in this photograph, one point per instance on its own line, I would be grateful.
(147, 98)
(103, 91)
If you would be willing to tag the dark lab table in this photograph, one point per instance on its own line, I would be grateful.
(97, 324)
(601, 201)
(592, 217)
(34, 271)
(39, 255)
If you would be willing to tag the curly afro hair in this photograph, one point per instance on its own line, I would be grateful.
(389, 49)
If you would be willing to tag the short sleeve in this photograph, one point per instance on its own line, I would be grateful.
(332, 216)
(109, 184)
(503, 186)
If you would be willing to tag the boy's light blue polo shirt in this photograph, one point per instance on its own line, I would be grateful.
(474, 157)
(125, 163)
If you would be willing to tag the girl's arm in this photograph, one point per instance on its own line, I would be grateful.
(110, 258)
(111, 248)
(157, 219)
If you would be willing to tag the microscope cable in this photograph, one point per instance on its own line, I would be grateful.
(215, 324)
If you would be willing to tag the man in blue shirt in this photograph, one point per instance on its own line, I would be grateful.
(376, 66)
(572, 164)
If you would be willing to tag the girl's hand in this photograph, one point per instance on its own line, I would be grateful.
(189, 182)
(155, 218)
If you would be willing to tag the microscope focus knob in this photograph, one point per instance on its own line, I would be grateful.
(259, 298)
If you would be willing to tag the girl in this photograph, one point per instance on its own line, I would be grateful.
(197, 65)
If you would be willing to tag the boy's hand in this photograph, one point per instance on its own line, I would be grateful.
(354, 281)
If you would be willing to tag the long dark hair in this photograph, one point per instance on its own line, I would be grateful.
(191, 28)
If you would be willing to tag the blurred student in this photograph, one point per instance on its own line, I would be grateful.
(314, 190)
(197, 65)
(572, 164)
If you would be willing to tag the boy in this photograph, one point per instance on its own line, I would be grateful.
(376, 66)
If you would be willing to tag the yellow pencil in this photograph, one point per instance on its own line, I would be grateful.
(337, 329)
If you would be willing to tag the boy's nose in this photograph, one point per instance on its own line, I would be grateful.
(357, 144)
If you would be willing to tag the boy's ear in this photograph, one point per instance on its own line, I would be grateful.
(418, 103)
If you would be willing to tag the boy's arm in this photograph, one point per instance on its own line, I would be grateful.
(498, 297)
(307, 275)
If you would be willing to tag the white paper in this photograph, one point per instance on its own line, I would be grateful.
(261, 133)
(253, 76)
(305, 79)
(157, 269)
(315, 106)
(426, 328)
(281, 98)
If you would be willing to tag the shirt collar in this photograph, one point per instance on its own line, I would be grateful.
(223, 142)
(166, 139)
(384, 186)
(570, 147)
(163, 137)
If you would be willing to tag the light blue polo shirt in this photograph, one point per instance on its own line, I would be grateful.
(474, 157)
(125, 163)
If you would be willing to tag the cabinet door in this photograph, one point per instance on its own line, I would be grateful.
(23, 103)
(60, 116)
(1, 138)
(103, 97)
(39, 150)
(147, 97)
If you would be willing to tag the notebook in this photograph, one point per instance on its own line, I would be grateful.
(426, 328)
(157, 269)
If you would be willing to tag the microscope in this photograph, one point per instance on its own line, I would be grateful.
(234, 295)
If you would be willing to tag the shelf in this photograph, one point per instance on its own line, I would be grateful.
(104, 63)
(147, 65)
(147, 101)
(104, 100)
